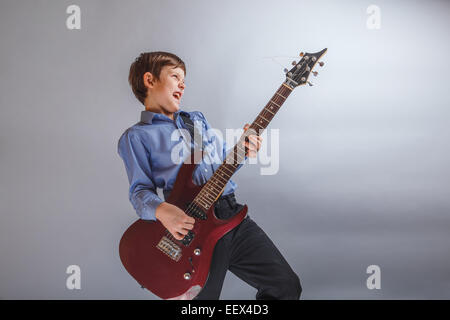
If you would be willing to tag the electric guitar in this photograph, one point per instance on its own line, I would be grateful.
(178, 269)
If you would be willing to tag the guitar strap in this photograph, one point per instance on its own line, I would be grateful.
(190, 126)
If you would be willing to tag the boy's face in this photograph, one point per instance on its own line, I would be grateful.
(164, 96)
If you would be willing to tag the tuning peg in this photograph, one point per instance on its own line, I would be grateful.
(315, 73)
(321, 63)
(294, 63)
(285, 70)
(310, 84)
(302, 54)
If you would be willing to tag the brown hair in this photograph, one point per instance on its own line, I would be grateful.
(151, 62)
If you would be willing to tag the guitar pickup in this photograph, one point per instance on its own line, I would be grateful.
(188, 238)
(196, 212)
(199, 214)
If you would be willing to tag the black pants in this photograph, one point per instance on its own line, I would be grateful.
(249, 253)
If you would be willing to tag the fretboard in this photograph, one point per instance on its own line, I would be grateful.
(213, 188)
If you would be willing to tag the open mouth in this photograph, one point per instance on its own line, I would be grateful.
(177, 96)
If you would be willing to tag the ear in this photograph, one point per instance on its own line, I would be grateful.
(148, 79)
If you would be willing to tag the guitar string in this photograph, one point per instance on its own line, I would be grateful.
(191, 205)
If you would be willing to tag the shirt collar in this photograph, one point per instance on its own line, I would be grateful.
(147, 116)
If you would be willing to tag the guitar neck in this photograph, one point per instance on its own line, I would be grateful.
(213, 188)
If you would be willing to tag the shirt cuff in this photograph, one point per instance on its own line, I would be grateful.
(146, 209)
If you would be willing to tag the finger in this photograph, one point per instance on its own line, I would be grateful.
(178, 236)
(250, 151)
(255, 141)
(245, 144)
(189, 220)
(258, 141)
(189, 226)
(252, 146)
(251, 154)
(257, 138)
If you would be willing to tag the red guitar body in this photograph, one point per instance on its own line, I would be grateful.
(144, 246)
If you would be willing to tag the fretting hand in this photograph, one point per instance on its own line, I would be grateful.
(253, 144)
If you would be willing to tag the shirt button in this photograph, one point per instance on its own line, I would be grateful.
(206, 170)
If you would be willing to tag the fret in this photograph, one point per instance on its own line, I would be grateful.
(235, 166)
(258, 125)
(290, 89)
(243, 150)
(223, 173)
(201, 201)
(207, 196)
(234, 161)
(204, 202)
(217, 180)
(280, 95)
(212, 185)
(204, 196)
(275, 103)
(202, 207)
(219, 177)
(270, 111)
(239, 159)
(260, 121)
(228, 170)
(268, 121)
(274, 109)
(230, 160)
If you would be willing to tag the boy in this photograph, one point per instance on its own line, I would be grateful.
(157, 80)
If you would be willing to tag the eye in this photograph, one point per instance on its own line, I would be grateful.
(176, 76)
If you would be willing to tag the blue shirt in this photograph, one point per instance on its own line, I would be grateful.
(154, 149)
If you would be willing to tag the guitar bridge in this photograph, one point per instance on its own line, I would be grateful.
(170, 248)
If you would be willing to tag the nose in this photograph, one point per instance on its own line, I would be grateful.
(182, 85)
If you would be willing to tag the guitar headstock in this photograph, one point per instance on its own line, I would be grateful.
(301, 71)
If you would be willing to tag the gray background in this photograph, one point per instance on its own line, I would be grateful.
(364, 175)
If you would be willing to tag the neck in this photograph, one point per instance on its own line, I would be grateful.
(159, 110)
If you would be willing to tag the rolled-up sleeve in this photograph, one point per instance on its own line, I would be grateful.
(142, 192)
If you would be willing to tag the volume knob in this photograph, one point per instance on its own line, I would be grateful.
(197, 252)
(187, 276)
